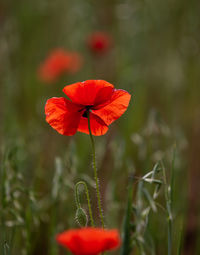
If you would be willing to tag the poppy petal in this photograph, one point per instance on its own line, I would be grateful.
(56, 64)
(89, 241)
(115, 108)
(98, 126)
(99, 42)
(90, 92)
(63, 115)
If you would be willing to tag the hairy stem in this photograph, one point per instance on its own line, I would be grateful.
(95, 173)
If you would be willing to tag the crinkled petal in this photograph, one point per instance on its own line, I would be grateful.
(90, 92)
(115, 107)
(63, 115)
(98, 126)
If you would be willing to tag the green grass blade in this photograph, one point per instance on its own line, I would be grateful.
(126, 235)
(180, 241)
(172, 174)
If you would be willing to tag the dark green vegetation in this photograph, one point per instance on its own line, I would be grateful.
(156, 57)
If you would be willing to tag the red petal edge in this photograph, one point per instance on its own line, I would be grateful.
(63, 115)
(90, 92)
(116, 106)
(98, 126)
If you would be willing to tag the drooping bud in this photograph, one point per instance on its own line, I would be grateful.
(81, 217)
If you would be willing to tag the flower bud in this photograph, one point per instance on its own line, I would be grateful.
(81, 217)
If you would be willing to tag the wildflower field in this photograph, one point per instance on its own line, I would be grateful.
(99, 127)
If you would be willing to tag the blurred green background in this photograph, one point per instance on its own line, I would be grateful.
(156, 57)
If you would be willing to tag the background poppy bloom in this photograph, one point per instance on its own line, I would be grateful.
(58, 62)
(89, 241)
(99, 42)
(98, 97)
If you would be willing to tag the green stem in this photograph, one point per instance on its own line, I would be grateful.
(169, 210)
(95, 173)
(88, 199)
(172, 174)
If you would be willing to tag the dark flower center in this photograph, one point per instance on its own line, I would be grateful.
(87, 109)
(84, 114)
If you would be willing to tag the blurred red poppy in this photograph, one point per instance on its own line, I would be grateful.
(57, 63)
(89, 241)
(96, 97)
(99, 42)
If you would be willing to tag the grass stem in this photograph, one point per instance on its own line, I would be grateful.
(169, 210)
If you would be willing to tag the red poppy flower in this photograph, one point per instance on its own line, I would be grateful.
(89, 241)
(99, 42)
(58, 62)
(104, 104)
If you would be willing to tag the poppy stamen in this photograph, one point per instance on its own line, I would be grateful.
(85, 114)
(87, 109)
